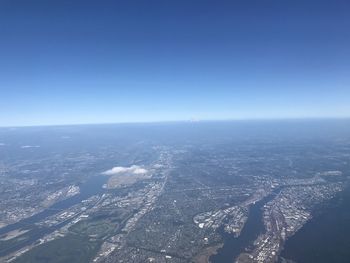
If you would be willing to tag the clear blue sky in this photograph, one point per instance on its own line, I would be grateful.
(65, 62)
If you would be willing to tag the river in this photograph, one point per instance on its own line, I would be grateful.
(233, 246)
(93, 186)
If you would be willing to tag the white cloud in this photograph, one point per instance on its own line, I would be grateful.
(140, 171)
(30, 146)
(134, 169)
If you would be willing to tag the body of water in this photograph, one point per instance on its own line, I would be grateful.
(326, 237)
(233, 246)
(93, 186)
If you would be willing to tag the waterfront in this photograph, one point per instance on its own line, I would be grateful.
(325, 238)
(254, 226)
(93, 186)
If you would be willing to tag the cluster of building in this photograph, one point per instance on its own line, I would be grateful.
(232, 218)
(141, 200)
(287, 213)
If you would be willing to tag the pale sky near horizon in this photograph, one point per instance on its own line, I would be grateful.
(71, 62)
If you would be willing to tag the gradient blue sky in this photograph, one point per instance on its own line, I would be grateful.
(64, 62)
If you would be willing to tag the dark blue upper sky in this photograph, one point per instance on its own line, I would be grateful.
(119, 61)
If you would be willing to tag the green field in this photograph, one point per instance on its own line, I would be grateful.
(94, 228)
(71, 248)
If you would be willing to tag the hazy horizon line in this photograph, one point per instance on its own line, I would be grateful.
(176, 121)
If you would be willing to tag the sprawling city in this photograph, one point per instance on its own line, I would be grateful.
(184, 131)
(182, 192)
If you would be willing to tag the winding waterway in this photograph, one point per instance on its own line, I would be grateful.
(233, 246)
(93, 186)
